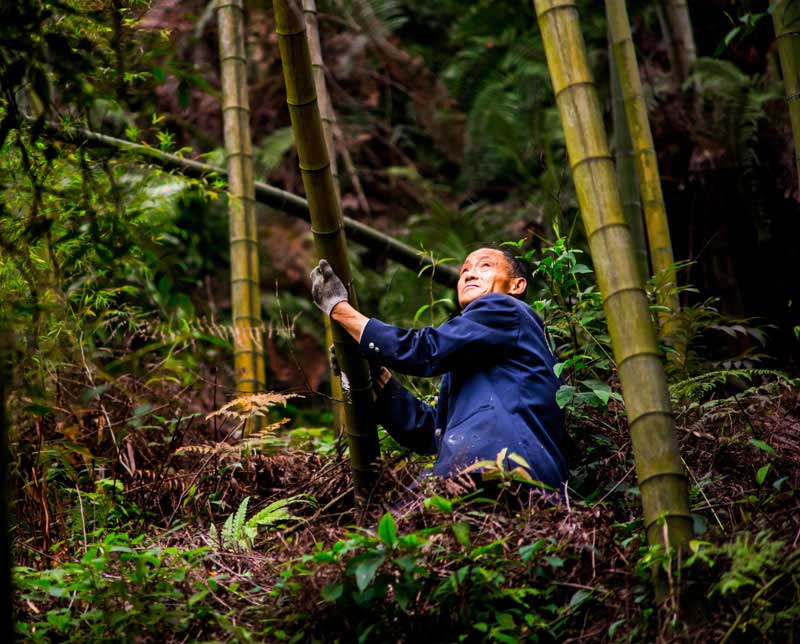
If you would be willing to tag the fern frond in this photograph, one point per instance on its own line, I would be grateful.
(278, 511)
(244, 407)
(699, 387)
(198, 449)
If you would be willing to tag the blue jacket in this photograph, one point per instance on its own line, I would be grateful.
(498, 388)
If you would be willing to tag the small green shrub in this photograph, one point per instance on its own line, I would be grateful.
(119, 589)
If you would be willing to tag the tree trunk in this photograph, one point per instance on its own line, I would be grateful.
(655, 211)
(676, 25)
(248, 346)
(625, 159)
(287, 202)
(662, 478)
(327, 227)
(786, 17)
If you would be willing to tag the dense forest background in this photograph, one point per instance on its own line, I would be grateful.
(139, 511)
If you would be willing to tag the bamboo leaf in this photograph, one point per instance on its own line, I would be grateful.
(461, 533)
(763, 446)
(439, 503)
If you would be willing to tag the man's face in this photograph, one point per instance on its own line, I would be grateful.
(487, 271)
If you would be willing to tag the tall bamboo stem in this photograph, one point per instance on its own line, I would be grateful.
(676, 23)
(248, 347)
(327, 227)
(327, 113)
(655, 210)
(6, 586)
(786, 18)
(328, 123)
(625, 161)
(662, 478)
(282, 200)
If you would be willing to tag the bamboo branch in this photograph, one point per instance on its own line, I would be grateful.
(282, 200)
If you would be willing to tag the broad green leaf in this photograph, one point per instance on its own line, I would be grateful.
(579, 597)
(366, 569)
(556, 562)
(332, 592)
(387, 530)
(564, 395)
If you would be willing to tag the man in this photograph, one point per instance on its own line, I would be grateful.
(498, 386)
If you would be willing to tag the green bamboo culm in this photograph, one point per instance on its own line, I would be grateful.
(655, 210)
(662, 478)
(786, 18)
(328, 123)
(248, 346)
(676, 24)
(625, 162)
(328, 229)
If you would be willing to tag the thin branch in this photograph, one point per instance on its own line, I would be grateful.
(282, 200)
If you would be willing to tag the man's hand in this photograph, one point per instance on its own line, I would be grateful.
(379, 374)
(327, 290)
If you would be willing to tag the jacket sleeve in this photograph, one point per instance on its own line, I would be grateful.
(484, 332)
(411, 422)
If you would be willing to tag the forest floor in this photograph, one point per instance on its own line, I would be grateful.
(260, 540)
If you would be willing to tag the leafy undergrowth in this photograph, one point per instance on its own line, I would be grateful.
(214, 541)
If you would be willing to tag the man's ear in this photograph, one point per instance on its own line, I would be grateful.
(518, 285)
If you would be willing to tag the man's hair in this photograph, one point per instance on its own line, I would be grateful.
(519, 268)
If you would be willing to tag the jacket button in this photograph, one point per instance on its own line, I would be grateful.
(377, 349)
(371, 345)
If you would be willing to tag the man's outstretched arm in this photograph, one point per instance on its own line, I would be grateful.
(352, 321)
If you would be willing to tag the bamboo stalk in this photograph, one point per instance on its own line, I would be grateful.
(6, 385)
(282, 200)
(326, 111)
(625, 161)
(786, 18)
(327, 226)
(676, 24)
(662, 478)
(655, 211)
(248, 346)
(328, 123)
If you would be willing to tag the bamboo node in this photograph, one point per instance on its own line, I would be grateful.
(593, 157)
(328, 234)
(574, 84)
(553, 5)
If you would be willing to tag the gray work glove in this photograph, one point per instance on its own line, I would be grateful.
(327, 290)
(375, 370)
